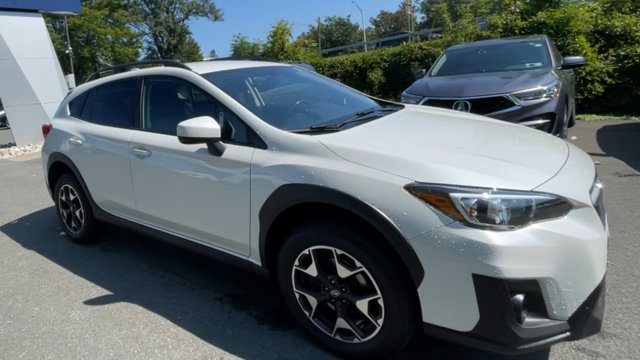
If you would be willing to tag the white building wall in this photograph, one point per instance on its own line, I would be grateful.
(31, 80)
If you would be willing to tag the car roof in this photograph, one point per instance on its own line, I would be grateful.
(499, 41)
(203, 67)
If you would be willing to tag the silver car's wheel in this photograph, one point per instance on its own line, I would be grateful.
(74, 210)
(70, 207)
(338, 294)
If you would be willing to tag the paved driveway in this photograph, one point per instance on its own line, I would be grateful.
(5, 136)
(129, 297)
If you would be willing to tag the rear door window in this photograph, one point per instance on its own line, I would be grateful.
(114, 104)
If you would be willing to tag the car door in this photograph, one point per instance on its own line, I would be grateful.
(98, 142)
(183, 189)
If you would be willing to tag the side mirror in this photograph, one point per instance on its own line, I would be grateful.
(572, 62)
(201, 130)
(420, 73)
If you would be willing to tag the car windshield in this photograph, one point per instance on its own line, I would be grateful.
(295, 99)
(507, 56)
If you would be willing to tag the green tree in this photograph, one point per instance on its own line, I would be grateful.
(241, 46)
(278, 44)
(190, 51)
(435, 13)
(334, 31)
(100, 36)
(457, 19)
(164, 24)
(387, 22)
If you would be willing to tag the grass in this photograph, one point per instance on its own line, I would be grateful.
(606, 117)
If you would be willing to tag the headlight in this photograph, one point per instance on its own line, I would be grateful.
(542, 92)
(491, 208)
(410, 98)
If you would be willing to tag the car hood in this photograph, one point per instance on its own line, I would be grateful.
(470, 85)
(446, 147)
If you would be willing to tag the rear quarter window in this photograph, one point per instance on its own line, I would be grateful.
(75, 105)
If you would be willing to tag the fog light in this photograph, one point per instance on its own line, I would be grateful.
(517, 303)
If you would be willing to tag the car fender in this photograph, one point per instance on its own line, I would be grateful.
(289, 195)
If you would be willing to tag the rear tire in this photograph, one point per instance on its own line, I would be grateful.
(74, 211)
(343, 290)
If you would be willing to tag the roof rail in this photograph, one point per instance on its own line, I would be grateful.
(129, 66)
(249, 58)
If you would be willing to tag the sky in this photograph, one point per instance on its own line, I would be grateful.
(254, 18)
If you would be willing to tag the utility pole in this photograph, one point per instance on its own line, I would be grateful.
(71, 79)
(408, 5)
(364, 29)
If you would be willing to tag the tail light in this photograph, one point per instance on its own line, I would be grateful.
(46, 129)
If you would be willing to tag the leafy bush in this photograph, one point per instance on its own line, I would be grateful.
(384, 72)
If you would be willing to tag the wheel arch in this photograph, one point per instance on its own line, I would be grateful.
(293, 204)
(59, 164)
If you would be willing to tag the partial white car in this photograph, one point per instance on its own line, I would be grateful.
(377, 219)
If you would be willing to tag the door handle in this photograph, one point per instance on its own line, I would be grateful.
(76, 141)
(141, 153)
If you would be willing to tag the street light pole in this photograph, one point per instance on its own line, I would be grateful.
(364, 30)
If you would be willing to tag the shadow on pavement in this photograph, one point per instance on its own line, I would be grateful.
(232, 309)
(621, 141)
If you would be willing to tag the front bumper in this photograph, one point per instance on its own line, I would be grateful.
(502, 329)
(472, 276)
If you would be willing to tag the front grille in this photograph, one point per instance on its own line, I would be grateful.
(480, 106)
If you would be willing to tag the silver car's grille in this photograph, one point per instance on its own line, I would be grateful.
(480, 106)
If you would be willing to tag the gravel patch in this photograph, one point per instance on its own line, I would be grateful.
(11, 150)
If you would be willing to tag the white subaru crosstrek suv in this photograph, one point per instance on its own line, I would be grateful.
(377, 219)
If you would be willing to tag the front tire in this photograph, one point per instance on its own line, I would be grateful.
(345, 292)
(74, 212)
(563, 132)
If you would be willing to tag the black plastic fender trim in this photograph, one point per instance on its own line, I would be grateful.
(290, 195)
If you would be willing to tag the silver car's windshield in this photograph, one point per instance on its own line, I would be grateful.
(294, 99)
(508, 56)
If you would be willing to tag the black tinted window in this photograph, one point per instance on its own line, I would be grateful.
(170, 101)
(88, 106)
(115, 104)
(75, 105)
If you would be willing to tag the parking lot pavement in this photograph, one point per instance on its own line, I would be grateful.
(131, 297)
(5, 136)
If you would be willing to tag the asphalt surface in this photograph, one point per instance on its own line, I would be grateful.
(5, 136)
(130, 297)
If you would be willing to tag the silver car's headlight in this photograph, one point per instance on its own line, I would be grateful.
(491, 208)
(548, 91)
(410, 98)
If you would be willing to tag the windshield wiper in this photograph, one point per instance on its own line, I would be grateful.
(315, 128)
(359, 116)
